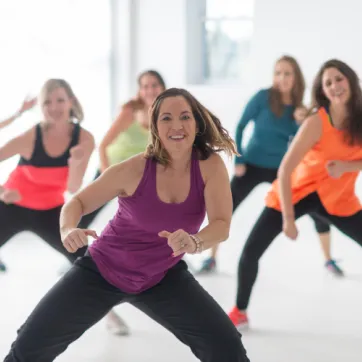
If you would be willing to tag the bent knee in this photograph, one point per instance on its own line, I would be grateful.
(229, 348)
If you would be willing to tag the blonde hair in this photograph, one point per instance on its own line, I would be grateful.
(51, 84)
(211, 136)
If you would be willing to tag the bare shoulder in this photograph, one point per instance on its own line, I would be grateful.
(86, 136)
(214, 165)
(311, 128)
(134, 165)
(313, 121)
(128, 173)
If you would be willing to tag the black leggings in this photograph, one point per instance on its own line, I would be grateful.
(82, 297)
(241, 186)
(44, 223)
(267, 228)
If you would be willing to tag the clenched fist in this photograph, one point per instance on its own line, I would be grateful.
(75, 239)
(179, 241)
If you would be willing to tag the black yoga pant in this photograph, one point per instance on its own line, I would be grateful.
(44, 223)
(82, 297)
(243, 185)
(267, 228)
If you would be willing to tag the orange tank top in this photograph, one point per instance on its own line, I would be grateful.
(337, 195)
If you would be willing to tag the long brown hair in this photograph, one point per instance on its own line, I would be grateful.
(211, 136)
(137, 103)
(275, 97)
(353, 122)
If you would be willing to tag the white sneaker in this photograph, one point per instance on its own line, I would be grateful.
(116, 325)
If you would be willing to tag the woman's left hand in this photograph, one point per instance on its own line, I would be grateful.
(77, 155)
(300, 114)
(179, 241)
(27, 105)
(336, 168)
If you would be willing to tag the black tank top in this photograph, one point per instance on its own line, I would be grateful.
(42, 180)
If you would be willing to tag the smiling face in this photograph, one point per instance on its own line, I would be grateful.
(150, 88)
(176, 125)
(336, 86)
(57, 106)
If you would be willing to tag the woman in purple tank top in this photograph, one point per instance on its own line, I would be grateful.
(163, 196)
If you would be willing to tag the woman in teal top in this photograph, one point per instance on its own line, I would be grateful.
(276, 113)
(127, 137)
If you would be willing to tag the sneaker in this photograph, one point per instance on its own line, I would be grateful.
(2, 267)
(333, 267)
(208, 265)
(116, 325)
(239, 319)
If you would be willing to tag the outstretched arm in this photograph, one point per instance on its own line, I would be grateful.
(119, 179)
(308, 134)
(27, 104)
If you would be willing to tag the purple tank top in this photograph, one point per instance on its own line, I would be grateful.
(129, 253)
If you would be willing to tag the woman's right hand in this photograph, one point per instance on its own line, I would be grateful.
(27, 105)
(240, 170)
(74, 239)
(9, 196)
(290, 228)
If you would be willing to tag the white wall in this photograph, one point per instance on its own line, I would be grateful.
(161, 38)
(310, 30)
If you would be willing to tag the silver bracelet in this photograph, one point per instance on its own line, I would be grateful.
(198, 243)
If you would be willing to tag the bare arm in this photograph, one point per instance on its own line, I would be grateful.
(10, 120)
(121, 123)
(27, 104)
(122, 178)
(308, 134)
(218, 203)
(78, 161)
(20, 145)
(352, 166)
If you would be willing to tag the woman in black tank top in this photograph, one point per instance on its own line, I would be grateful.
(32, 197)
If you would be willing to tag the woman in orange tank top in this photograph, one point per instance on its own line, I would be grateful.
(317, 174)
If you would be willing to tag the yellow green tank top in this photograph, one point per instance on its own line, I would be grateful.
(129, 143)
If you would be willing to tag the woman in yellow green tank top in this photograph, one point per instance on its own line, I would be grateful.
(127, 137)
(128, 134)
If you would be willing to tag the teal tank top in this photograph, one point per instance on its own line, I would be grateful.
(129, 143)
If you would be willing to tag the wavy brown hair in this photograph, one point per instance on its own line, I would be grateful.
(275, 97)
(353, 122)
(211, 136)
(137, 103)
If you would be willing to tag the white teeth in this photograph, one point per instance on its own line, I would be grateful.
(177, 137)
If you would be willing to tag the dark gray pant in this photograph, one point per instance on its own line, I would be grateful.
(82, 297)
(270, 225)
(241, 186)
